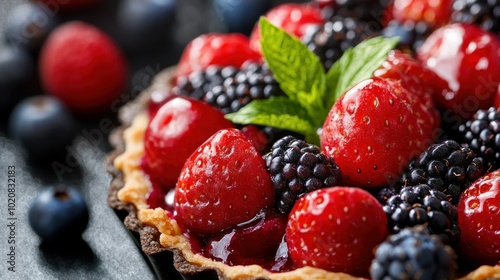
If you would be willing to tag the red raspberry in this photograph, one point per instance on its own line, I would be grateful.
(222, 184)
(215, 49)
(83, 67)
(478, 215)
(293, 18)
(466, 57)
(178, 128)
(373, 130)
(336, 229)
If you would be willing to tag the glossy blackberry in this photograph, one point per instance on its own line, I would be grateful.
(413, 254)
(422, 205)
(228, 88)
(383, 194)
(446, 167)
(485, 13)
(297, 168)
(482, 135)
(370, 11)
(337, 35)
(411, 34)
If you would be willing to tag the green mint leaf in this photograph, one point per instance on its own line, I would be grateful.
(355, 65)
(298, 71)
(278, 112)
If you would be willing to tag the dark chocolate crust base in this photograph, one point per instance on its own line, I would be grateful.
(167, 264)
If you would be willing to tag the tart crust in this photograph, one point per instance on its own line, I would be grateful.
(157, 232)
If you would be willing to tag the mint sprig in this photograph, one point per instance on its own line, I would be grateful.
(310, 91)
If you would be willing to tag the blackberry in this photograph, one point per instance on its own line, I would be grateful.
(446, 167)
(297, 168)
(228, 88)
(370, 11)
(482, 135)
(485, 13)
(413, 254)
(412, 34)
(422, 205)
(337, 35)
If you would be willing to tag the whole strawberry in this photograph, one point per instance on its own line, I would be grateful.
(372, 131)
(336, 229)
(466, 57)
(292, 17)
(178, 128)
(218, 49)
(222, 184)
(83, 67)
(478, 214)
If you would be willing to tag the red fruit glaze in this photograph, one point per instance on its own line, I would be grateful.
(478, 216)
(178, 128)
(223, 183)
(372, 131)
(293, 18)
(467, 58)
(434, 13)
(336, 229)
(215, 49)
(251, 243)
(83, 67)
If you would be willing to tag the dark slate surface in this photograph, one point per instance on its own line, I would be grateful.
(106, 251)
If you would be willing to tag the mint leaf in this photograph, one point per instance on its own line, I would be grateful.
(355, 65)
(278, 112)
(298, 71)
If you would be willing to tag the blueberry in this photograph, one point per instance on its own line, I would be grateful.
(28, 25)
(42, 125)
(146, 21)
(17, 71)
(240, 15)
(58, 214)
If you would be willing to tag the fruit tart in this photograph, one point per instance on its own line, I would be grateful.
(288, 166)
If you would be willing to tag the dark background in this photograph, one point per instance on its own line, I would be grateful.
(106, 251)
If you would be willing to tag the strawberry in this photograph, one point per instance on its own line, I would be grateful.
(215, 49)
(83, 67)
(336, 229)
(434, 13)
(465, 56)
(223, 183)
(178, 128)
(291, 17)
(372, 131)
(478, 214)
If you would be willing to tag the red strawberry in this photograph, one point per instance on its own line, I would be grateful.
(177, 129)
(83, 67)
(466, 57)
(336, 229)
(434, 13)
(223, 183)
(254, 243)
(478, 215)
(372, 131)
(215, 49)
(291, 17)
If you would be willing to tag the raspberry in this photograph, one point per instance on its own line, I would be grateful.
(297, 168)
(83, 67)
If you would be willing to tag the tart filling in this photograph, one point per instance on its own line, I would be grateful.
(136, 187)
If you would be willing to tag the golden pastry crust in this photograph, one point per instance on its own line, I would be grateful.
(135, 186)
